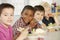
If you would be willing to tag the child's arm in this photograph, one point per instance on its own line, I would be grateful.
(56, 20)
(23, 34)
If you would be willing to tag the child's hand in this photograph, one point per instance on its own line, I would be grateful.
(23, 34)
(20, 29)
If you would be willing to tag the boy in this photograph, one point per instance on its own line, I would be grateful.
(39, 14)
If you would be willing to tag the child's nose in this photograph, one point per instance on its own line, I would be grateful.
(9, 17)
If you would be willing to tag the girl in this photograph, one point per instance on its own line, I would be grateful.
(49, 17)
(27, 15)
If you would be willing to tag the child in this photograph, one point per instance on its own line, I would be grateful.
(6, 18)
(49, 17)
(39, 14)
(27, 15)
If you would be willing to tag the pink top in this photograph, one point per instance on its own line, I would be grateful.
(5, 33)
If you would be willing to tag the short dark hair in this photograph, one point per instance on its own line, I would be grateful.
(39, 8)
(5, 5)
(28, 7)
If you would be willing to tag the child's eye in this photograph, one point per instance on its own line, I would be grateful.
(26, 14)
(5, 15)
(42, 15)
(31, 15)
(37, 13)
(11, 15)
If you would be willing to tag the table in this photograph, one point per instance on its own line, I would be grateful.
(48, 36)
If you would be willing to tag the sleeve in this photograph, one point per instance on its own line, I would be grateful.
(52, 20)
(2, 37)
(15, 26)
(46, 22)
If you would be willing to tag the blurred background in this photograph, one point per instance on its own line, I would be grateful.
(19, 4)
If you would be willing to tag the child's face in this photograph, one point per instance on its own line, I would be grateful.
(39, 15)
(27, 15)
(47, 11)
(7, 16)
(33, 23)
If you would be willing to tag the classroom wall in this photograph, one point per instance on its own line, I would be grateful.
(21, 3)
